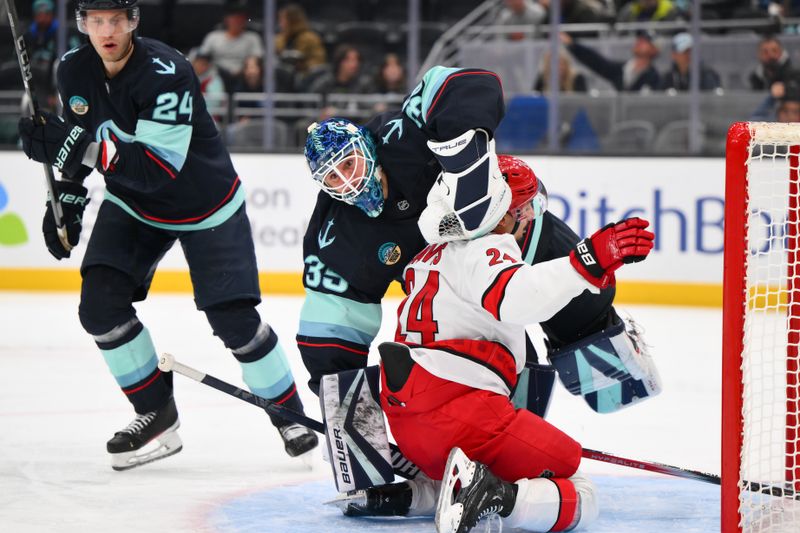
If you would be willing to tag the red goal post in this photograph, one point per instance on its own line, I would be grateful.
(761, 328)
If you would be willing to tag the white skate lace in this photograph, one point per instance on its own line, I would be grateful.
(492, 509)
(139, 423)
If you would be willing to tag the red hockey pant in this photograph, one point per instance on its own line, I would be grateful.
(429, 416)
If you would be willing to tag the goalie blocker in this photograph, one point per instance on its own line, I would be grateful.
(611, 369)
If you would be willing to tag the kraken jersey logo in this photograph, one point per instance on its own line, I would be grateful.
(167, 69)
(389, 253)
(322, 237)
(79, 105)
(396, 126)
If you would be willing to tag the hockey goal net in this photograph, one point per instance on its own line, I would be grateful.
(761, 330)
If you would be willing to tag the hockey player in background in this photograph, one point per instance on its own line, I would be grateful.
(445, 390)
(133, 111)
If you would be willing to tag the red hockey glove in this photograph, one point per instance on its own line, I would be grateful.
(597, 257)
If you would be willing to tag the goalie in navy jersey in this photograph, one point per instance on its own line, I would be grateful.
(133, 111)
(375, 181)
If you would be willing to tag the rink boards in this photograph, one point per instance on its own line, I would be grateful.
(682, 197)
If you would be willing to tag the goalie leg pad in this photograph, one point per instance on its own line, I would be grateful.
(355, 431)
(615, 361)
(534, 388)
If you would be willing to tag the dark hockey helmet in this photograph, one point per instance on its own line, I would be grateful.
(528, 193)
(107, 5)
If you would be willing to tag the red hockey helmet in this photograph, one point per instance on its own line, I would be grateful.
(528, 194)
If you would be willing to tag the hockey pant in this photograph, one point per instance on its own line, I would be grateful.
(429, 416)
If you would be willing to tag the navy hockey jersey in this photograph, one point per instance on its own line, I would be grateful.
(173, 170)
(351, 259)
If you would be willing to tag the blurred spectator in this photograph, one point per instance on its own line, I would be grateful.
(782, 104)
(296, 43)
(346, 76)
(569, 81)
(229, 47)
(649, 11)
(635, 74)
(41, 39)
(211, 84)
(773, 64)
(391, 76)
(581, 11)
(251, 80)
(521, 13)
(677, 77)
(789, 107)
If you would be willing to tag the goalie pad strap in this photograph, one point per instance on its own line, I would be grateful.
(355, 431)
(534, 388)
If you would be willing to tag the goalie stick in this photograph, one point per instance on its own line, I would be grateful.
(406, 469)
(25, 70)
(167, 363)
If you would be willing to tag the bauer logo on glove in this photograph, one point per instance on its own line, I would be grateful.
(49, 139)
(597, 257)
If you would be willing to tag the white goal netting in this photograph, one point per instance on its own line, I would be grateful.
(770, 449)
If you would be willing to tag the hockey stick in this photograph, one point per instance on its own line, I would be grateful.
(659, 468)
(167, 363)
(406, 469)
(25, 69)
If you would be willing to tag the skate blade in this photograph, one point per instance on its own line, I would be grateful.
(343, 501)
(458, 469)
(167, 444)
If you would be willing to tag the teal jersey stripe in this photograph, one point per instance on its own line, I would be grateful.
(222, 214)
(328, 315)
(169, 141)
(537, 233)
(332, 331)
(433, 80)
(133, 361)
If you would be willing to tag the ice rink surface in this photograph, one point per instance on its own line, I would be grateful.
(59, 405)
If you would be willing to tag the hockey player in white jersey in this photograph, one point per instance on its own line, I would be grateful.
(445, 385)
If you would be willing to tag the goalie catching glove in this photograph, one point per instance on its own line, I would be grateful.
(597, 257)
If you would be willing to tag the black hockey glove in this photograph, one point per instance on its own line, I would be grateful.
(73, 202)
(50, 139)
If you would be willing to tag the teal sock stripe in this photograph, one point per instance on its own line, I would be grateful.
(133, 361)
(269, 376)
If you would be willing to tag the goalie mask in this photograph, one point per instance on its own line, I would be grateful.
(528, 194)
(344, 163)
(86, 23)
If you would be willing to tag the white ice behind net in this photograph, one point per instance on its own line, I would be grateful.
(765, 457)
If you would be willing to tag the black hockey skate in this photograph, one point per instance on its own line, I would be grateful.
(297, 439)
(393, 499)
(130, 447)
(481, 494)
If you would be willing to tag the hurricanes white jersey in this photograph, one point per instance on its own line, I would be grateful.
(468, 303)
